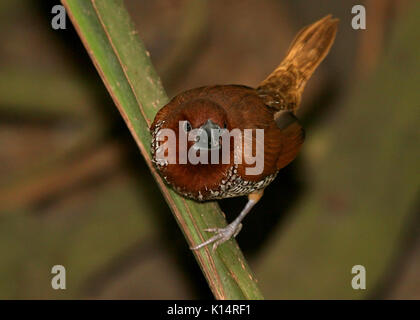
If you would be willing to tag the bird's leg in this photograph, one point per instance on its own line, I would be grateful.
(233, 228)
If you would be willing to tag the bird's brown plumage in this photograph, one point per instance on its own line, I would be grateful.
(271, 107)
(239, 107)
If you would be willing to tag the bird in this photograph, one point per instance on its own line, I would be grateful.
(211, 111)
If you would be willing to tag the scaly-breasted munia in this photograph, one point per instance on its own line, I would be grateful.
(271, 107)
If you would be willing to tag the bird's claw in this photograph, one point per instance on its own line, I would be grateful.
(221, 235)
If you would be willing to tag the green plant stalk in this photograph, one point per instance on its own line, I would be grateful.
(124, 65)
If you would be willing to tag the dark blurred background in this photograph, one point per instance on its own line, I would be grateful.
(75, 191)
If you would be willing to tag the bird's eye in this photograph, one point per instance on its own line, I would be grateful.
(187, 126)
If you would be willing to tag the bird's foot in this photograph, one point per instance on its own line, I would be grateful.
(221, 235)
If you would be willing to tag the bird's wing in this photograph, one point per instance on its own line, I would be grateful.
(293, 136)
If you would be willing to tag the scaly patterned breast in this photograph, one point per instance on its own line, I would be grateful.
(231, 185)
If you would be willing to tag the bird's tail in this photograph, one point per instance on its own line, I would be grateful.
(283, 88)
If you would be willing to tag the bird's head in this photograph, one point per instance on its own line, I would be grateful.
(202, 120)
(197, 126)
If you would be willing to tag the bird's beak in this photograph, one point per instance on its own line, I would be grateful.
(208, 136)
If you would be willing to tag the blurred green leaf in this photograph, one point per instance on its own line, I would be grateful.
(363, 194)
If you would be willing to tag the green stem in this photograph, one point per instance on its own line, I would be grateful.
(124, 65)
